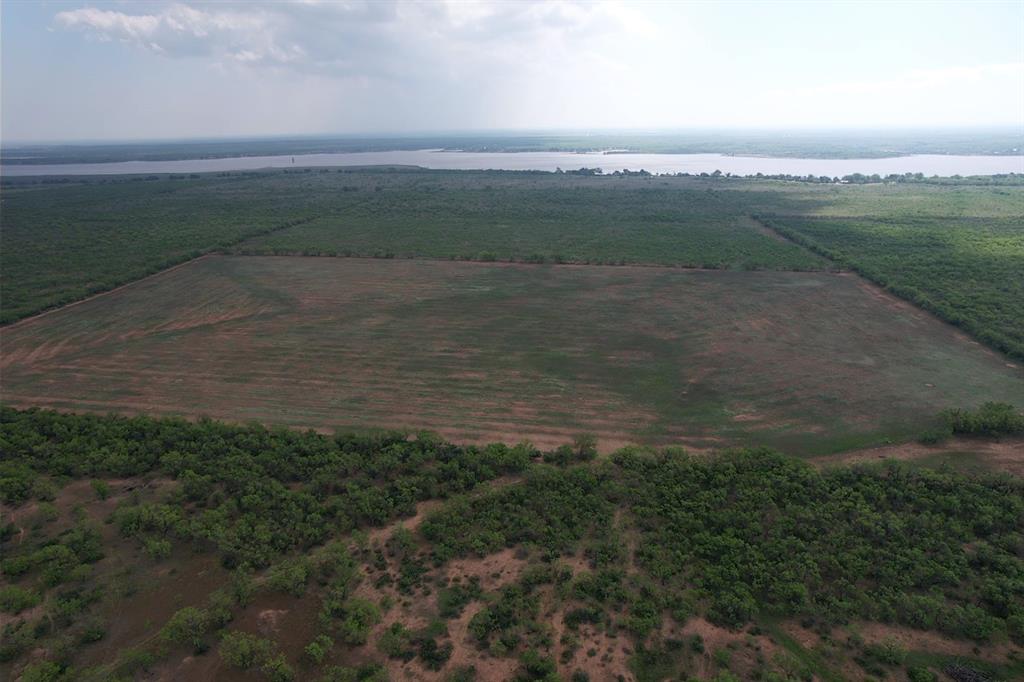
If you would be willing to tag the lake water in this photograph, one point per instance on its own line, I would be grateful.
(929, 164)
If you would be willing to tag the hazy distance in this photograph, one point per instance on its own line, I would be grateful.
(165, 70)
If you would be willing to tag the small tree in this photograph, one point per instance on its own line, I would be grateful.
(188, 626)
(585, 446)
(317, 649)
(360, 615)
(242, 650)
(101, 488)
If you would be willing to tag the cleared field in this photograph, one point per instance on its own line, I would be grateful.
(955, 251)
(810, 362)
(63, 242)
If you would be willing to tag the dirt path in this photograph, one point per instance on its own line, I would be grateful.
(1005, 455)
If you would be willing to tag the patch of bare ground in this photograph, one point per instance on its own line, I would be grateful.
(932, 642)
(28, 615)
(745, 648)
(577, 563)
(79, 497)
(883, 297)
(186, 666)
(808, 639)
(149, 596)
(1006, 455)
(493, 571)
(411, 523)
(601, 655)
(466, 652)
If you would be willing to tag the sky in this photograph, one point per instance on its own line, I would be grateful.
(170, 70)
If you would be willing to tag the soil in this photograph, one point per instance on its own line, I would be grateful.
(1005, 455)
(507, 352)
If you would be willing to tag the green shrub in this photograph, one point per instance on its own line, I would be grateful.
(463, 674)
(433, 655)
(16, 482)
(534, 666)
(157, 548)
(14, 599)
(276, 669)
(396, 642)
(46, 671)
(290, 576)
(920, 674)
(359, 615)
(100, 488)
(318, 649)
(187, 626)
(991, 419)
(245, 651)
(371, 672)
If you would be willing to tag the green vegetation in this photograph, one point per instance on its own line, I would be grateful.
(64, 243)
(809, 363)
(746, 539)
(991, 419)
(140, 546)
(540, 218)
(953, 247)
(957, 252)
(708, 532)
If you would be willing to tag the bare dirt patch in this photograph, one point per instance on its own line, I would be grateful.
(932, 642)
(466, 652)
(1006, 455)
(493, 571)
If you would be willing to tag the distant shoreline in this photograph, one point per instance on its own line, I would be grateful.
(802, 144)
(930, 165)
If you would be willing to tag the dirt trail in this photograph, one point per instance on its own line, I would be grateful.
(1005, 455)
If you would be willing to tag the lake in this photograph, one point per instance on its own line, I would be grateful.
(929, 164)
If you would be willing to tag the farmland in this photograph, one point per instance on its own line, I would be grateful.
(957, 252)
(508, 352)
(64, 242)
(666, 222)
(931, 244)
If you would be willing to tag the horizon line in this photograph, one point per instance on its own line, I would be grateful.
(536, 132)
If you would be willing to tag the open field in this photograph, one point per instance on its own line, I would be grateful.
(810, 362)
(952, 247)
(956, 251)
(63, 242)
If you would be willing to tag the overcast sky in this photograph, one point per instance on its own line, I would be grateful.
(130, 70)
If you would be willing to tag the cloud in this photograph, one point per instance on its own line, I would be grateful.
(182, 30)
(950, 79)
(360, 38)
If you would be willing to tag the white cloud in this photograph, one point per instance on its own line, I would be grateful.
(948, 78)
(226, 67)
(367, 38)
(182, 30)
